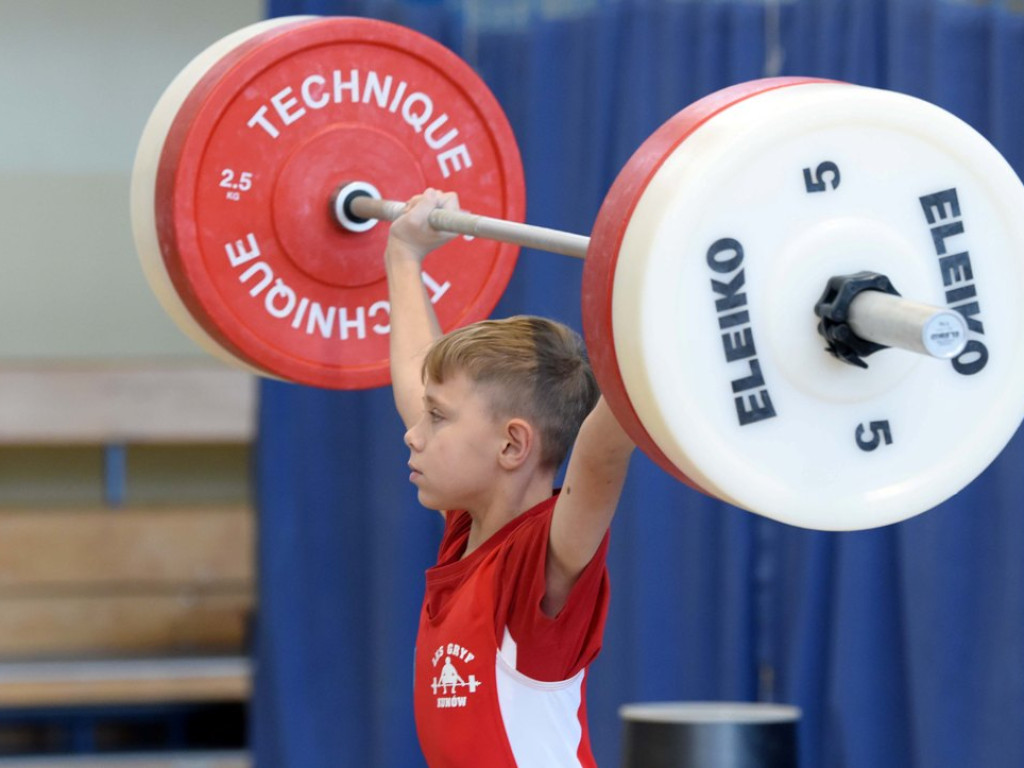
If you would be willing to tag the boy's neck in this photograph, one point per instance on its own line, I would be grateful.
(507, 505)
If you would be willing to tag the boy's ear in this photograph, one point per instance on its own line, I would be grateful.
(519, 444)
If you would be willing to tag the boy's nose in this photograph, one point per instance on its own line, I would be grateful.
(411, 439)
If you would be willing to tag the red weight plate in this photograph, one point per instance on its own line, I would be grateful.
(143, 183)
(246, 174)
(606, 239)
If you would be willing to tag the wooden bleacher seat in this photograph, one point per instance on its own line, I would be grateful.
(102, 583)
(66, 404)
(136, 605)
(91, 682)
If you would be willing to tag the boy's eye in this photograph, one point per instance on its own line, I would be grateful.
(435, 415)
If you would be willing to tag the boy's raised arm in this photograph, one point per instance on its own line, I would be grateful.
(413, 322)
(590, 494)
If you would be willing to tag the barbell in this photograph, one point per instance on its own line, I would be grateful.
(757, 230)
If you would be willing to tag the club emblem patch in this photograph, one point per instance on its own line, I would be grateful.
(452, 684)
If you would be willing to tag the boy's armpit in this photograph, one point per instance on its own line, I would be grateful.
(556, 648)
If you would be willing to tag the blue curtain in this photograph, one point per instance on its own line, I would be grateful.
(903, 645)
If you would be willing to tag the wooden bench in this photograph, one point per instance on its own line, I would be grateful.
(99, 404)
(128, 583)
(124, 681)
(125, 605)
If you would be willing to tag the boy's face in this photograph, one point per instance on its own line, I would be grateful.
(455, 446)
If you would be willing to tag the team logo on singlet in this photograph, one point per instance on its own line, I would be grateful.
(451, 684)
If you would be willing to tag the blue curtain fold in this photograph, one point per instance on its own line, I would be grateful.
(903, 645)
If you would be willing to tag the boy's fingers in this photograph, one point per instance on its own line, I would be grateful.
(422, 204)
(449, 201)
(412, 227)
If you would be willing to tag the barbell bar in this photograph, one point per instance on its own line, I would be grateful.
(881, 317)
(357, 205)
(702, 293)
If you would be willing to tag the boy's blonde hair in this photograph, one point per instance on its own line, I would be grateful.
(537, 369)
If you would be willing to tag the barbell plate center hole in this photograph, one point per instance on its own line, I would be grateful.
(341, 205)
(348, 206)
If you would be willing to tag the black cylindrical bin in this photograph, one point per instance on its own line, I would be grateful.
(709, 735)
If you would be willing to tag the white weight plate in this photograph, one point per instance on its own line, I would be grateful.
(144, 174)
(926, 427)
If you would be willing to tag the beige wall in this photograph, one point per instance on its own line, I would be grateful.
(77, 82)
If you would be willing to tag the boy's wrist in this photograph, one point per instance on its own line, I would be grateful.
(399, 250)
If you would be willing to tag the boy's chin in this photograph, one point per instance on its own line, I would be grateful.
(430, 502)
